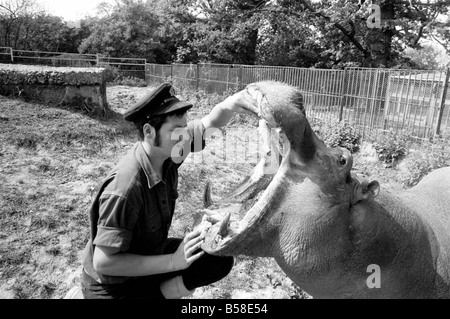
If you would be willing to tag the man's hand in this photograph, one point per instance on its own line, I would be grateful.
(241, 102)
(187, 253)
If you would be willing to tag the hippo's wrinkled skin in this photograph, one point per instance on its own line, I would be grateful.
(325, 228)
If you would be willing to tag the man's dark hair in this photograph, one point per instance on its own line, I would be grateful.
(157, 122)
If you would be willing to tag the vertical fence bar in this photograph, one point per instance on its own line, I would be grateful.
(422, 102)
(431, 104)
(240, 74)
(442, 103)
(343, 95)
(416, 83)
(197, 75)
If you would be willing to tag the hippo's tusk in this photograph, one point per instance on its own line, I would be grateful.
(207, 200)
(223, 231)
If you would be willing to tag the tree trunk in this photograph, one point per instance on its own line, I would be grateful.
(250, 50)
(379, 40)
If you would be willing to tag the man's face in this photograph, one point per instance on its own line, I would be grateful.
(165, 144)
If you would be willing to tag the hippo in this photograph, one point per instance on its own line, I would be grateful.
(333, 233)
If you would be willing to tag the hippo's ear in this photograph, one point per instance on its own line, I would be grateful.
(373, 189)
(363, 190)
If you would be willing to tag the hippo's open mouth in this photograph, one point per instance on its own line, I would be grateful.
(234, 220)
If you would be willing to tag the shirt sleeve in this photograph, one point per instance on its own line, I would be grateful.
(193, 142)
(196, 131)
(117, 218)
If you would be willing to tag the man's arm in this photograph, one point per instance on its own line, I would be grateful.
(112, 262)
(221, 114)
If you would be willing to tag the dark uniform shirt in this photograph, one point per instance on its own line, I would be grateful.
(134, 207)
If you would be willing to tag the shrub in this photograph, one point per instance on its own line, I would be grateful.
(419, 163)
(391, 147)
(338, 134)
(129, 81)
(111, 73)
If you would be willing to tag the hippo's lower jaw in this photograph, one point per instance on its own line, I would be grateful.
(228, 226)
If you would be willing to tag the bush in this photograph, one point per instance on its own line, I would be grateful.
(419, 163)
(111, 73)
(338, 134)
(129, 81)
(391, 147)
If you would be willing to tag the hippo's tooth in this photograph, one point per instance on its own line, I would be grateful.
(223, 230)
(265, 133)
(207, 201)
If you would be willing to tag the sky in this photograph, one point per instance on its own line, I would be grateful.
(71, 10)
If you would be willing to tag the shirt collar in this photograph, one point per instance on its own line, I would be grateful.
(152, 177)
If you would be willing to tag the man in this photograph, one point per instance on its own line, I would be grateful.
(129, 254)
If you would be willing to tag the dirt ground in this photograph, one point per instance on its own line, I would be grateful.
(52, 161)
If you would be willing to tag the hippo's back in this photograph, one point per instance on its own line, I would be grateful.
(431, 197)
(434, 191)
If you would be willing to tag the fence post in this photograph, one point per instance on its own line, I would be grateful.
(240, 74)
(343, 95)
(198, 76)
(442, 102)
(12, 55)
(228, 78)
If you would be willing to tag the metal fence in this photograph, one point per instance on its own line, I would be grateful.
(413, 102)
(134, 67)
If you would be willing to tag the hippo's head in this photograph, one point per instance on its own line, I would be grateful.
(320, 222)
(310, 184)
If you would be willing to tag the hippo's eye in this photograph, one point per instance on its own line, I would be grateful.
(342, 161)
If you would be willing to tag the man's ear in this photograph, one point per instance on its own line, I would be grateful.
(148, 131)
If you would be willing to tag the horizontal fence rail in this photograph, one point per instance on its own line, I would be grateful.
(134, 67)
(412, 102)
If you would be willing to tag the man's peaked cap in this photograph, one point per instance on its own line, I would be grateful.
(161, 100)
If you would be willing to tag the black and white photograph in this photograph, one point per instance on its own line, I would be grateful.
(239, 151)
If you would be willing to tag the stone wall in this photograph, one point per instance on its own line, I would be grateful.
(80, 88)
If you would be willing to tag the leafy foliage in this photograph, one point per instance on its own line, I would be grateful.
(129, 81)
(302, 33)
(418, 164)
(391, 147)
(430, 56)
(339, 134)
(130, 30)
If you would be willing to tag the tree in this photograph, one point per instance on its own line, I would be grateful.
(441, 33)
(129, 29)
(430, 56)
(343, 24)
(287, 40)
(209, 31)
(25, 26)
(233, 31)
(14, 17)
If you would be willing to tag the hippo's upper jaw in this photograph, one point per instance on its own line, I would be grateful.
(322, 225)
(287, 135)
